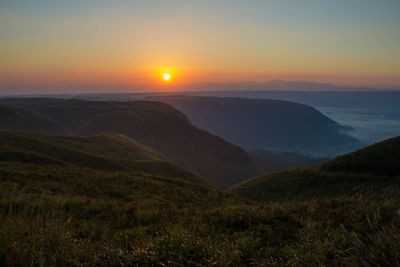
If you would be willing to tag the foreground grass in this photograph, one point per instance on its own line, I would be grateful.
(38, 230)
(56, 215)
(63, 208)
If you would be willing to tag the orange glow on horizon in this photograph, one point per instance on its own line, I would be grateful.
(151, 78)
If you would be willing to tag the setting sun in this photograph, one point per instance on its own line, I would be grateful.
(166, 76)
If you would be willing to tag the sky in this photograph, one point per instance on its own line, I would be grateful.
(57, 46)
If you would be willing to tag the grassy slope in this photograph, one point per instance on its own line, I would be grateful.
(372, 170)
(63, 196)
(127, 221)
(108, 152)
(55, 215)
(55, 182)
(154, 124)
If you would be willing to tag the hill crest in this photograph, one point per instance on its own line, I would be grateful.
(372, 170)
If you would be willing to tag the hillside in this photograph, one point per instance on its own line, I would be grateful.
(374, 170)
(81, 201)
(13, 118)
(256, 124)
(53, 213)
(153, 124)
(60, 196)
(104, 152)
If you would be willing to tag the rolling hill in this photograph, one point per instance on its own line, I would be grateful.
(64, 193)
(103, 152)
(258, 124)
(153, 124)
(374, 170)
(84, 201)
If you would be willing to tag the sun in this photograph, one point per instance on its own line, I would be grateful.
(166, 76)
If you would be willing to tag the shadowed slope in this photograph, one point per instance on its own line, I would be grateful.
(256, 124)
(154, 124)
(18, 119)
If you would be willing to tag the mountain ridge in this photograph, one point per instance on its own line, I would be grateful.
(266, 124)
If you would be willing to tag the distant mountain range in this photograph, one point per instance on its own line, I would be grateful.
(257, 124)
(274, 85)
(305, 92)
(342, 99)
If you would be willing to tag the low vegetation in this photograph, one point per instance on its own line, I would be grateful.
(55, 212)
(43, 230)
(107, 152)
(373, 170)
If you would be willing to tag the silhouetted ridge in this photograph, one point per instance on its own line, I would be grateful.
(256, 124)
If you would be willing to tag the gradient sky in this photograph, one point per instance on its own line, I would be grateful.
(82, 46)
